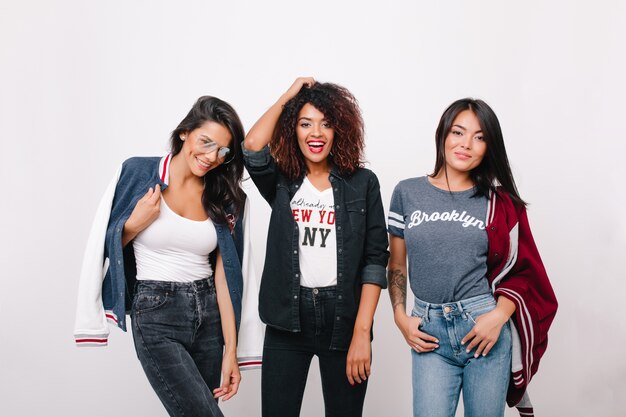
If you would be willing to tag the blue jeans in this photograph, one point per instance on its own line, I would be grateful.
(287, 358)
(178, 339)
(439, 376)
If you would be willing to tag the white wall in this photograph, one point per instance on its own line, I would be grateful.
(83, 85)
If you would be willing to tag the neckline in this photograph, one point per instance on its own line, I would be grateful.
(178, 215)
(471, 190)
(312, 187)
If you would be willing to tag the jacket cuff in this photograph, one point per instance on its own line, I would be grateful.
(374, 274)
(256, 159)
(83, 340)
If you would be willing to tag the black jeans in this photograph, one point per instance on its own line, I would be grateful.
(287, 357)
(178, 339)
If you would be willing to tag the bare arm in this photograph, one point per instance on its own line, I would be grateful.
(230, 368)
(397, 277)
(358, 364)
(261, 133)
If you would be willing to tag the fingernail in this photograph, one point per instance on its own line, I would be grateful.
(436, 340)
(476, 355)
(466, 350)
(484, 354)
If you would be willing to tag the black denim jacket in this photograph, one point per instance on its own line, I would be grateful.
(362, 243)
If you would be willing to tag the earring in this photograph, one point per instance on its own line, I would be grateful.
(183, 137)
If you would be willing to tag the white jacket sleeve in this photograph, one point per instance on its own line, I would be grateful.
(90, 328)
(251, 329)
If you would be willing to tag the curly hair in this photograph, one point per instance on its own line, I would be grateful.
(341, 110)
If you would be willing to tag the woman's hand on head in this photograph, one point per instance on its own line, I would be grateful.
(297, 86)
(231, 377)
(145, 212)
(418, 340)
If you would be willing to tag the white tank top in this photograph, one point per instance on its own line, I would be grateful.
(174, 248)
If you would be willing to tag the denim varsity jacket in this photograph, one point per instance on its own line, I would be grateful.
(109, 271)
(362, 244)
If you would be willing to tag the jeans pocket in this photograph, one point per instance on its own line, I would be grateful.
(149, 301)
(420, 315)
(474, 313)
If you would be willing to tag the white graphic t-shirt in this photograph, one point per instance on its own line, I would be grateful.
(314, 213)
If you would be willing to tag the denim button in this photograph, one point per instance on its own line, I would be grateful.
(316, 291)
(340, 274)
(295, 297)
(338, 227)
(446, 309)
(338, 317)
(295, 251)
(339, 297)
(297, 275)
(339, 250)
(337, 206)
(119, 262)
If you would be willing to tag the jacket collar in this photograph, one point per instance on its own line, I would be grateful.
(164, 169)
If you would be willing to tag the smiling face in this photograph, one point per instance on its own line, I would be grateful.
(315, 135)
(465, 146)
(201, 147)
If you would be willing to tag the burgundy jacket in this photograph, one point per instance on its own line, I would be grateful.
(515, 271)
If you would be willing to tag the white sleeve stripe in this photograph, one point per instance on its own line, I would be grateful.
(396, 224)
(526, 321)
(512, 257)
(396, 216)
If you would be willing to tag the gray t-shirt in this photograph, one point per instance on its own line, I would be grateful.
(445, 239)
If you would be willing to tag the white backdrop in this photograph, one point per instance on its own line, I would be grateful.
(84, 85)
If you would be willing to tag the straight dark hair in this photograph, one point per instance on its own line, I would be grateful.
(222, 185)
(494, 169)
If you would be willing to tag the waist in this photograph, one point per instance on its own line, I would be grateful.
(423, 308)
(205, 284)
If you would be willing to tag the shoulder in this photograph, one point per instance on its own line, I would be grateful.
(140, 166)
(505, 200)
(141, 162)
(138, 170)
(409, 184)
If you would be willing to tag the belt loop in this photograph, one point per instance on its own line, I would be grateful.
(426, 310)
(459, 306)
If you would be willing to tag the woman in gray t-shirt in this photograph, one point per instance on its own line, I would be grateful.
(459, 333)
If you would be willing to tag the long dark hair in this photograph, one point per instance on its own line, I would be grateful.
(341, 110)
(494, 169)
(222, 185)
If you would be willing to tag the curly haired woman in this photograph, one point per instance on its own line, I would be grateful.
(326, 247)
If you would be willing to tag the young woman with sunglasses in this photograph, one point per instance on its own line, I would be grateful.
(326, 247)
(472, 266)
(171, 228)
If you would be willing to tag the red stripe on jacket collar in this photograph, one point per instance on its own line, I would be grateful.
(164, 169)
